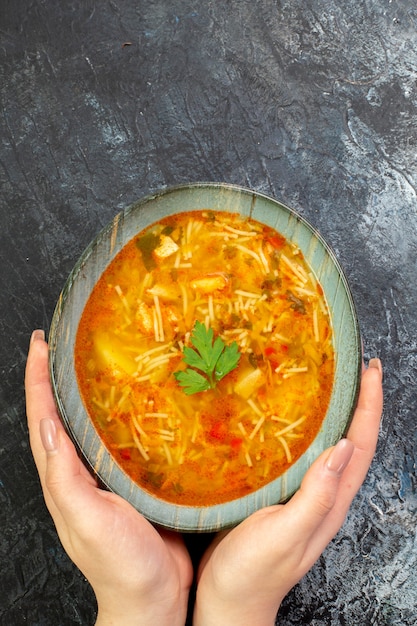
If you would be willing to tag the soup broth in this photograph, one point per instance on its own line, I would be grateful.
(249, 285)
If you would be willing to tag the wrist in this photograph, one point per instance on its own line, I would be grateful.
(140, 611)
(213, 608)
(141, 616)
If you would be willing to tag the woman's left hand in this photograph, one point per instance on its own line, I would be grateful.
(139, 575)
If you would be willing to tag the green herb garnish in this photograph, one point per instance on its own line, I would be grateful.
(214, 359)
(297, 304)
(147, 244)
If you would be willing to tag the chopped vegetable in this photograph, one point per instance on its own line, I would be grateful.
(166, 247)
(249, 383)
(297, 304)
(147, 244)
(210, 283)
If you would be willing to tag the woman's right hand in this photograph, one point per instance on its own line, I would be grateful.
(247, 571)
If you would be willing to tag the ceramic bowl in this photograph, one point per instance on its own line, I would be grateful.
(346, 340)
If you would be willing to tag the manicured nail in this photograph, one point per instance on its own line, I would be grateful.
(340, 456)
(376, 363)
(37, 334)
(49, 434)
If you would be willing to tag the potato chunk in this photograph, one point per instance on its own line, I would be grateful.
(166, 248)
(111, 354)
(249, 383)
(144, 318)
(169, 292)
(209, 283)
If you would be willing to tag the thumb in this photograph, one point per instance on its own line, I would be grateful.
(69, 485)
(319, 488)
(302, 517)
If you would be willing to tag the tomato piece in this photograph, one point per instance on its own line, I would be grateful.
(217, 431)
(276, 241)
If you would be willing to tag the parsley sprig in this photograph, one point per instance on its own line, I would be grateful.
(214, 359)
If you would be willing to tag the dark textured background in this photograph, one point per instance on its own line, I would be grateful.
(311, 102)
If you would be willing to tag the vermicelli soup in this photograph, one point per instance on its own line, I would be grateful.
(196, 435)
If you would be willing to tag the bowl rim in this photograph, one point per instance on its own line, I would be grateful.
(109, 474)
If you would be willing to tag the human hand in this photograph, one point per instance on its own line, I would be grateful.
(247, 571)
(139, 575)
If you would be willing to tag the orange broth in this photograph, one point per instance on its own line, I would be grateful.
(250, 285)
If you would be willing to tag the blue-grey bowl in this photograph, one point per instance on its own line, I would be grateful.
(88, 269)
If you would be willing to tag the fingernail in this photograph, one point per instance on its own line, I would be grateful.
(340, 456)
(376, 363)
(37, 334)
(49, 435)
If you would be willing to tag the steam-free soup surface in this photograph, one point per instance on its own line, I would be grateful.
(249, 285)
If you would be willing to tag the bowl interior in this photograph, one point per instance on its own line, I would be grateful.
(346, 340)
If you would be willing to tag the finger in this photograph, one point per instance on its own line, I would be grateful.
(363, 431)
(68, 490)
(39, 399)
(40, 402)
(318, 492)
(363, 434)
(40, 406)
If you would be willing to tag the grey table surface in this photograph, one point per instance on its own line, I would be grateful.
(313, 103)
